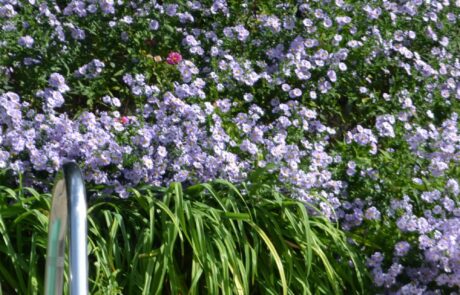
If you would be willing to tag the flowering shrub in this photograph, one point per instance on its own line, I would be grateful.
(351, 106)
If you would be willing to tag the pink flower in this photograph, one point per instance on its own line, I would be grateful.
(123, 120)
(174, 58)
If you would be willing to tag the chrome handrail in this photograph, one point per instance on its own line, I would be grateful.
(68, 198)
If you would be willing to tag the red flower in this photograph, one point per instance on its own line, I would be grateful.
(174, 58)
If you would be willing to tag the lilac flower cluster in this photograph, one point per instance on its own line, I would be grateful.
(178, 144)
(365, 137)
(439, 147)
(434, 234)
(352, 107)
(26, 41)
(91, 69)
(53, 96)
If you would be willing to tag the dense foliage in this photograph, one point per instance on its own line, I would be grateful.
(350, 106)
(208, 239)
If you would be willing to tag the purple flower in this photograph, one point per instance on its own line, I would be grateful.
(242, 33)
(26, 41)
(113, 101)
(249, 147)
(453, 187)
(77, 33)
(154, 25)
(57, 81)
(224, 105)
(91, 69)
(351, 168)
(107, 6)
(4, 158)
(332, 75)
(53, 98)
(343, 20)
(7, 10)
(402, 248)
(375, 260)
(171, 9)
(296, 92)
(181, 176)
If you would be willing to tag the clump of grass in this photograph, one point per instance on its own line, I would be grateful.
(210, 238)
(23, 240)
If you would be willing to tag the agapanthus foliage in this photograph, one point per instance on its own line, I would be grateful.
(349, 105)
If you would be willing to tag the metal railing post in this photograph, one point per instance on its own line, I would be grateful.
(68, 213)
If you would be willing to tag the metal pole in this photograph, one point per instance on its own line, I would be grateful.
(69, 198)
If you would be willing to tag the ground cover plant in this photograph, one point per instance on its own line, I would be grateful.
(348, 106)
